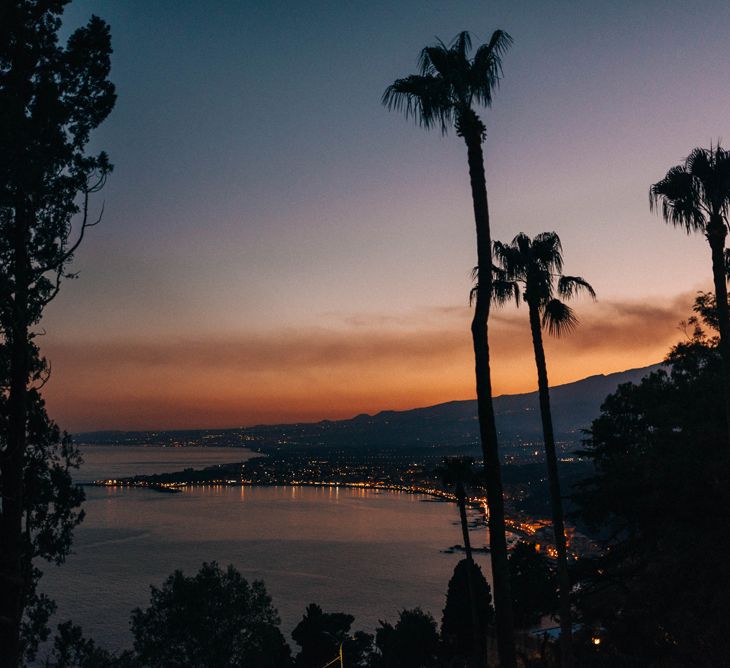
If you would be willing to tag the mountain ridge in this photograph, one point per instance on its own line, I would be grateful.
(451, 424)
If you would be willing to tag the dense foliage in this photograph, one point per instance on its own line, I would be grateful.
(661, 498)
(213, 619)
(534, 585)
(51, 512)
(51, 503)
(412, 642)
(457, 629)
(72, 650)
(322, 635)
(52, 96)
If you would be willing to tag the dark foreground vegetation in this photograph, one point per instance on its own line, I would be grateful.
(216, 618)
(657, 489)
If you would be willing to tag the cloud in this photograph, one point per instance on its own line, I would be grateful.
(290, 349)
(620, 325)
(356, 363)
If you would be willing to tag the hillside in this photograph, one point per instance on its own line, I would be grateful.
(454, 424)
(448, 425)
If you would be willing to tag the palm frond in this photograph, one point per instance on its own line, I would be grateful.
(473, 294)
(510, 259)
(461, 44)
(711, 171)
(504, 292)
(570, 286)
(486, 68)
(558, 318)
(499, 42)
(448, 81)
(434, 60)
(547, 250)
(475, 288)
(679, 194)
(422, 97)
(699, 163)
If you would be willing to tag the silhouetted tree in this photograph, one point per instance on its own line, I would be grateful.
(533, 585)
(660, 497)
(412, 643)
(705, 313)
(214, 619)
(51, 98)
(321, 635)
(534, 268)
(72, 650)
(51, 511)
(457, 624)
(449, 86)
(696, 196)
(457, 474)
(357, 650)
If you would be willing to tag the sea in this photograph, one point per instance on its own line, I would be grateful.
(369, 553)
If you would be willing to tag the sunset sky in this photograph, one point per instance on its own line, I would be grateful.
(277, 246)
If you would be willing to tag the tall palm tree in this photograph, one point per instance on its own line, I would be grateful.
(533, 268)
(450, 84)
(457, 474)
(696, 196)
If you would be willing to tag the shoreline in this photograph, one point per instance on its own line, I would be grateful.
(177, 487)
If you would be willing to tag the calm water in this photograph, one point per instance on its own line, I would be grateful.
(119, 461)
(365, 552)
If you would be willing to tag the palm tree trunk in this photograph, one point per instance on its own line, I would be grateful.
(461, 502)
(479, 650)
(566, 627)
(716, 233)
(11, 461)
(487, 426)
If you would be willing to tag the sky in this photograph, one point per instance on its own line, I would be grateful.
(277, 246)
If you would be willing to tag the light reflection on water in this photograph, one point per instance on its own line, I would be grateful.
(366, 552)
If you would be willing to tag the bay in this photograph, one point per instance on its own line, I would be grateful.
(369, 553)
(118, 461)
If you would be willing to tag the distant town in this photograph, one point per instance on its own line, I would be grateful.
(302, 455)
(400, 450)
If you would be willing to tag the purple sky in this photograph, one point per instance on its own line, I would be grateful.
(264, 204)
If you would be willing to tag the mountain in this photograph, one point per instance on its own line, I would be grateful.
(574, 405)
(455, 424)
(444, 426)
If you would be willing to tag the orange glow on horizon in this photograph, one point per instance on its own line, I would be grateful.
(335, 373)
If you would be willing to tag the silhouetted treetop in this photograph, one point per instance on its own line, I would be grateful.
(213, 619)
(457, 627)
(692, 192)
(532, 269)
(450, 82)
(695, 195)
(51, 97)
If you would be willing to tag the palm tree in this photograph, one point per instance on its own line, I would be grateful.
(531, 267)
(444, 93)
(696, 196)
(457, 474)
